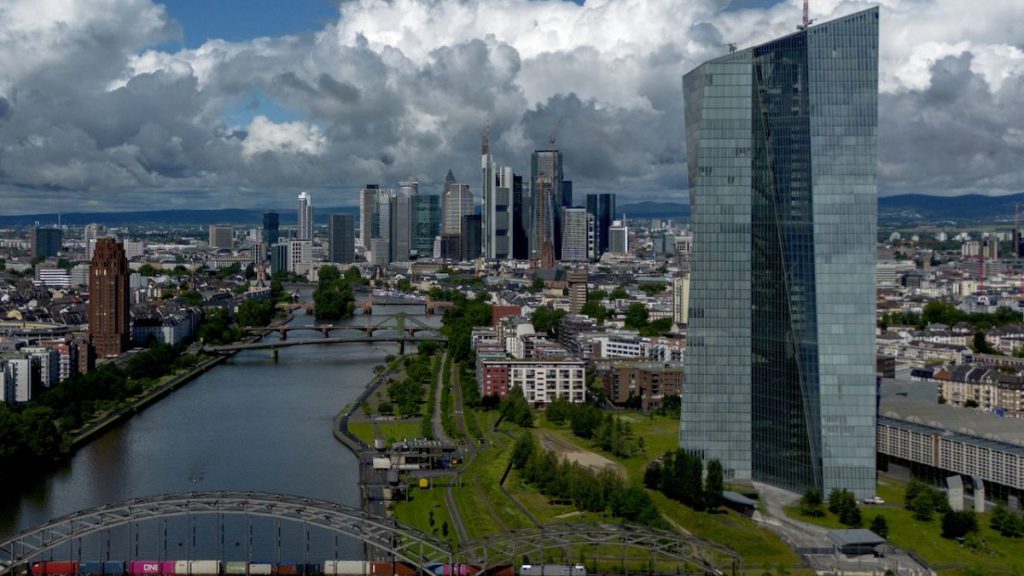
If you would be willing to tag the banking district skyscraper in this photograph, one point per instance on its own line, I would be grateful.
(782, 154)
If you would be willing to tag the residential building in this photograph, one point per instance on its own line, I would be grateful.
(222, 236)
(602, 208)
(540, 381)
(577, 289)
(53, 277)
(300, 256)
(781, 354)
(643, 381)
(109, 332)
(67, 353)
(681, 299)
(341, 239)
(15, 380)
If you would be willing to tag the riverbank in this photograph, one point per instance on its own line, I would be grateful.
(97, 426)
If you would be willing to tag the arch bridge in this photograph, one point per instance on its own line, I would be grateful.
(385, 538)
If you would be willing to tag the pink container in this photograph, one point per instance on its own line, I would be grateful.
(150, 568)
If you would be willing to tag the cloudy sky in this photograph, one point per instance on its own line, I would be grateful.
(138, 104)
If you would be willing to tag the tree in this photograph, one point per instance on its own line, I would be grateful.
(843, 503)
(523, 450)
(923, 507)
(652, 289)
(636, 316)
(981, 345)
(1006, 522)
(545, 320)
(714, 484)
(147, 270)
(880, 526)
(619, 293)
(957, 524)
(810, 503)
(516, 409)
(537, 285)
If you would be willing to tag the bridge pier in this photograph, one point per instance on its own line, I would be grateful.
(273, 355)
(401, 347)
(282, 334)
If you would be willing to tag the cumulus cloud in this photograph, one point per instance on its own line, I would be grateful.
(93, 114)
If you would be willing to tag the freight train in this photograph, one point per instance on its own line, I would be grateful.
(218, 568)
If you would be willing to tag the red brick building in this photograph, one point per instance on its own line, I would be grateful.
(109, 330)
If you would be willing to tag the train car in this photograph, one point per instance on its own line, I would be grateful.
(197, 568)
(114, 568)
(261, 568)
(235, 568)
(552, 570)
(54, 568)
(90, 569)
(438, 569)
(346, 568)
(310, 569)
(151, 568)
(502, 570)
(392, 569)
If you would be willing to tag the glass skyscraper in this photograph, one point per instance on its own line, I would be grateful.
(782, 156)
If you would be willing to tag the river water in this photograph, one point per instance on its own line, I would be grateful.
(249, 424)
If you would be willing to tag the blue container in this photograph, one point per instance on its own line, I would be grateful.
(114, 568)
(90, 569)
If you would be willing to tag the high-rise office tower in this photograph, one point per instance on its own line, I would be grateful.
(109, 332)
(781, 143)
(401, 227)
(271, 228)
(520, 220)
(457, 202)
(472, 225)
(279, 254)
(92, 232)
(566, 194)
(618, 238)
(384, 210)
(300, 256)
(305, 230)
(222, 236)
(681, 299)
(574, 234)
(546, 188)
(496, 218)
(426, 223)
(369, 217)
(341, 238)
(46, 242)
(602, 206)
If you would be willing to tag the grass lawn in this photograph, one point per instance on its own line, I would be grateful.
(483, 507)
(999, 555)
(757, 546)
(392, 430)
(416, 511)
(363, 431)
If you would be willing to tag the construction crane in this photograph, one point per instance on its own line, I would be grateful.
(807, 21)
(731, 45)
(554, 133)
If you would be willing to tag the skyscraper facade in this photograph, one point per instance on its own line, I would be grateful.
(271, 228)
(574, 234)
(520, 219)
(341, 238)
(46, 242)
(305, 231)
(618, 238)
(546, 188)
(222, 236)
(602, 206)
(472, 227)
(369, 218)
(458, 202)
(109, 330)
(92, 232)
(496, 208)
(401, 225)
(426, 223)
(782, 153)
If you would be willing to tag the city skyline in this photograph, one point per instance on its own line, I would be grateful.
(948, 124)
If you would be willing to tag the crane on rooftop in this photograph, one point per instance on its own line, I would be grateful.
(807, 21)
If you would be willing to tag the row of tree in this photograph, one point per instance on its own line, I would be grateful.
(37, 435)
(459, 321)
(334, 297)
(407, 393)
(609, 433)
(680, 476)
(564, 481)
(948, 314)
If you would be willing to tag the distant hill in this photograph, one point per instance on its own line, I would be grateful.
(654, 210)
(180, 217)
(908, 209)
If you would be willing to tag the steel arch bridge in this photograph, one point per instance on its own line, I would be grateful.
(686, 551)
(383, 534)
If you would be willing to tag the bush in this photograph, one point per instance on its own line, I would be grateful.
(958, 524)
(880, 526)
(842, 503)
(1006, 522)
(810, 503)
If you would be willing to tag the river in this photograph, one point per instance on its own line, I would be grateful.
(249, 424)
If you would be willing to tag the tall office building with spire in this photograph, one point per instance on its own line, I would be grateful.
(781, 143)
(457, 201)
(496, 209)
(546, 187)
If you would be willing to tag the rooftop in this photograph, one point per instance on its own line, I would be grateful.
(957, 420)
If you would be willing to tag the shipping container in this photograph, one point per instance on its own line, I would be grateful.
(150, 567)
(502, 570)
(310, 569)
(288, 569)
(389, 569)
(90, 568)
(114, 568)
(56, 568)
(261, 568)
(346, 568)
(204, 568)
(235, 567)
